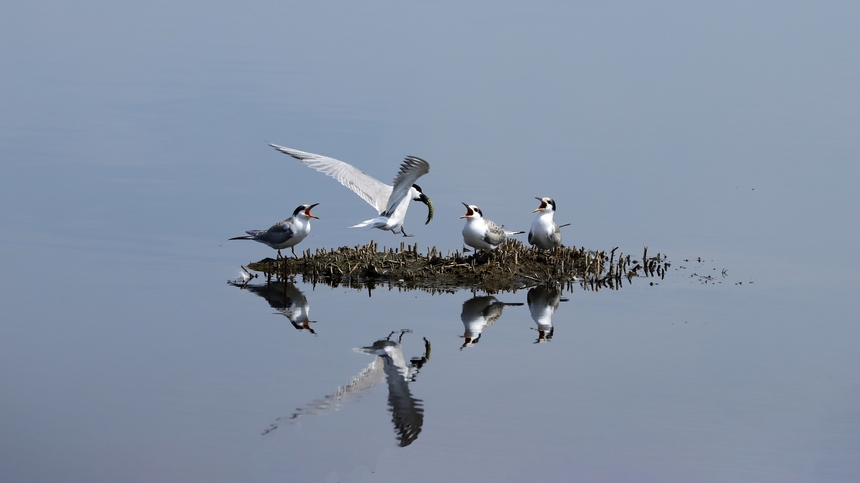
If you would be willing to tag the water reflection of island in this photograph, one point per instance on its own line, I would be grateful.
(543, 302)
(479, 313)
(286, 299)
(407, 412)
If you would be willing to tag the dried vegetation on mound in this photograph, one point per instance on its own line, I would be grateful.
(512, 266)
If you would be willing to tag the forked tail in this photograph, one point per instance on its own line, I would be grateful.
(373, 223)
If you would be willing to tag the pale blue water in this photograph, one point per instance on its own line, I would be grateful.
(134, 141)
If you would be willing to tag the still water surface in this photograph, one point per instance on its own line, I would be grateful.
(134, 144)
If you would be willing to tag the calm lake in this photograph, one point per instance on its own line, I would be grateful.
(134, 144)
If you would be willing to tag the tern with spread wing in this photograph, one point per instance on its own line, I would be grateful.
(284, 234)
(391, 202)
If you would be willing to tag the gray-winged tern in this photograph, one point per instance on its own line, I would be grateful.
(391, 202)
(284, 234)
(545, 233)
(480, 233)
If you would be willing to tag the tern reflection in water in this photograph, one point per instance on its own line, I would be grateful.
(286, 299)
(478, 313)
(543, 302)
(407, 412)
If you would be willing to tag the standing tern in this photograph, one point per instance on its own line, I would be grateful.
(284, 234)
(482, 233)
(391, 202)
(545, 233)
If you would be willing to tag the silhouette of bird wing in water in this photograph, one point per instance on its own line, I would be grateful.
(407, 412)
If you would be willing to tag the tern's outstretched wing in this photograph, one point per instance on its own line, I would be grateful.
(352, 390)
(407, 412)
(370, 189)
(411, 169)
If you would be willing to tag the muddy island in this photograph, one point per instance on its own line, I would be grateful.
(512, 266)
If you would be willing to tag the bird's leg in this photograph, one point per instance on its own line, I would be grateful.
(294, 252)
(279, 253)
(403, 231)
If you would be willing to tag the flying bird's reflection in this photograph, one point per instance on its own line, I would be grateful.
(543, 302)
(286, 299)
(407, 412)
(479, 313)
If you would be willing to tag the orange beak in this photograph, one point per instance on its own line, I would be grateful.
(308, 212)
(469, 211)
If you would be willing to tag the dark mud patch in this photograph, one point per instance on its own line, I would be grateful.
(510, 267)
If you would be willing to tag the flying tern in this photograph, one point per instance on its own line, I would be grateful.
(545, 233)
(482, 233)
(391, 202)
(284, 234)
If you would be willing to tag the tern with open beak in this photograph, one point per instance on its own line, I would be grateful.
(284, 234)
(545, 233)
(480, 233)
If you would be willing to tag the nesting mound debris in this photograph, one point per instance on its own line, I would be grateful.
(512, 266)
